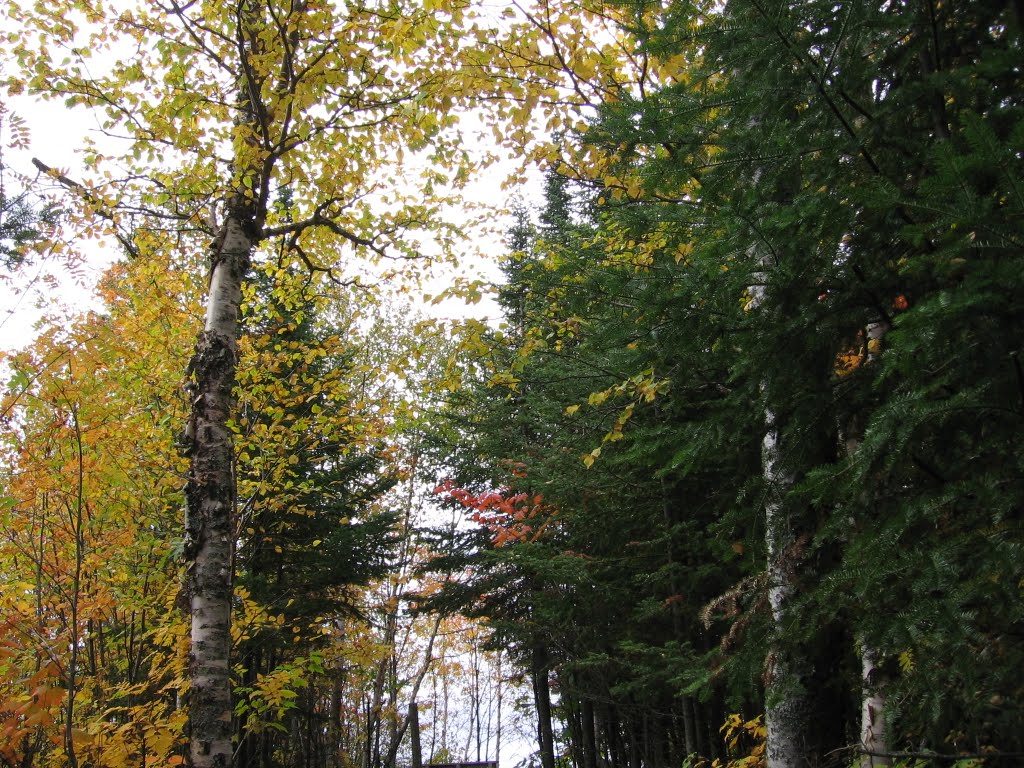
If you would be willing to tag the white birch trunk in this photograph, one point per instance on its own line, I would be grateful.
(785, 710)
(785, 706)
(872, 714)
(210, 501)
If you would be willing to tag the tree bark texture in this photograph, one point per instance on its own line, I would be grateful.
(210, 500)
(414, 730)
(589, 733)
(873, 727)
(689, 726)
(785, 708)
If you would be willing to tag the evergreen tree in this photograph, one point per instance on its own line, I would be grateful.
(633, 685)
(311, 530)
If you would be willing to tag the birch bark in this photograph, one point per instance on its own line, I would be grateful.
(785, 703)
(873, 736)
(785, 709)
(210, 497)
(210, 491)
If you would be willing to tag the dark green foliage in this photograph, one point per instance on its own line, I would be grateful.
(613, 587)
(863, 165)
(21, 225)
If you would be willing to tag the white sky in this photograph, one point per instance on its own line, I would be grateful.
(56, 133)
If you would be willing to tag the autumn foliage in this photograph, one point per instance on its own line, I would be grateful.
(510, 517)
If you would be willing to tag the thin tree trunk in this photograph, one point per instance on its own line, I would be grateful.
(444, 721)
(434, 709)
(689, 726)
(500, 695)
(334, 737)
(573, 725)
(77, 519)
(477, 694)
(613, 737)
(589, 734)
(542, 698)
(634, 743)
(872, 719)
(428, 658)
(872, 711)
(474, 713)
(414, 730)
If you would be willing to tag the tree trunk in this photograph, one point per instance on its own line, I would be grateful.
(399, 731)
(785, 710)
(414, 730)
(542, 698)
(634, 743)
(689, 726)
(785, 703)
(872, 720)
(500, 697)
(588, 733)
(571, 714)
(210, 497)
(872, 711)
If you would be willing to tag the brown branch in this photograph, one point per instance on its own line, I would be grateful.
(318, 219)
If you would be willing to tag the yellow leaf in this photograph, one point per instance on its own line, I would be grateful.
(590, 458)
(81, 738)
(683, 251)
